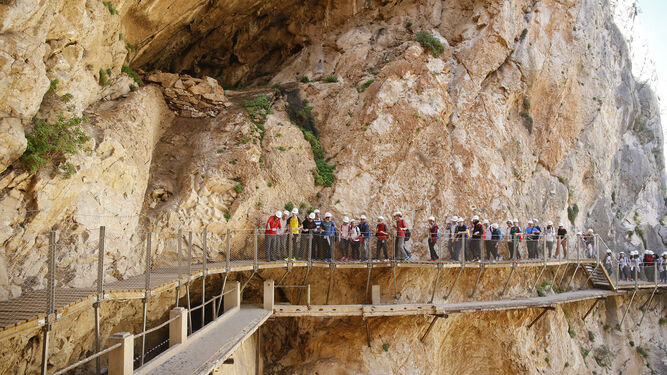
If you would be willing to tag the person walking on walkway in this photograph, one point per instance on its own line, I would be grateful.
(381, 235)
(355, 238)
(623, 269)
(561, 238)
(294, 225)
(345, 238)
(635, 262)
(515, 238)
(589, 241)
(318, 236)
(496, 236)
(608, 262)
(476, 239)
(400, 227)
(273, 225)
(549, 236)
(460, 237)
(450, 230)
(329, 233)
(488, 242)
(648, 265)
(308, 227)
(662, 263)
(530, 242)
(433, 235)
(365, 240)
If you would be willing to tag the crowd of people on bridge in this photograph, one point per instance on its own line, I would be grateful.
(470, 240)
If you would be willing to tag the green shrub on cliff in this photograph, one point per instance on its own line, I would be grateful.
(429, 41)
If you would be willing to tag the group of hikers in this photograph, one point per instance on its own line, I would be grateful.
(472, 240)
(636, 268)
(475, 240)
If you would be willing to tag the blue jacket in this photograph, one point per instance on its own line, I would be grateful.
(365, 230)
(329, 228)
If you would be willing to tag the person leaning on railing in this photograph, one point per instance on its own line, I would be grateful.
(433, 235)
(344, 234)
(460, 236)
(635, 263)
(307, 228)
(365, 239)
(317, 236)
(562, 240)
(294, 225)
(549, 234)
(329, 233)
(623, 269)
(515, 237)
(271, 235)
(400, 227)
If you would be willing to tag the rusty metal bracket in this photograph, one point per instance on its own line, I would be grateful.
(548, 308)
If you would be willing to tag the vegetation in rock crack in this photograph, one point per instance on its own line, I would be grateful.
(238, 188)
(226, 215)
(289, 206)
(591, 335)
(281, 148)
(258, 108)
(52, 86)
(571, 332)
(385, 347)
(104, 80)
(603, 356)
(304, 79)
(642, 234)
(132, 74)
(109, 6)
(525, 115)
(524, 32)
(572, 213)
(130, 47)
(584, 352)
(429, 41)
(47, 142)
(330, 79)
(361, 88)
(66, 97)
(67, 169)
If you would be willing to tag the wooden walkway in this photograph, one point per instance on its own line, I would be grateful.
(29, 311)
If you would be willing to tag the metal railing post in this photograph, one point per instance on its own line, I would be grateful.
(310, 250)
(180, 261)
(147, 293)
(50, 300)
(203, 279)
(229, 249)
(187, 284)
(256, 248)
(100, 297)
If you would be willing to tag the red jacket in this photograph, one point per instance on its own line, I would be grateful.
(272, 225)
(399, 228)
(433, 232)
(382, 227)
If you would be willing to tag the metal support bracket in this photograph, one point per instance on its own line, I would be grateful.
(548, 308)
(507, 282)
(479, 276)
(458, 276)
(591, 308)
(430, 326)
(435, 282)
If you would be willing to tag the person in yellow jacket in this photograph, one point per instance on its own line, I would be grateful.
(293, 228)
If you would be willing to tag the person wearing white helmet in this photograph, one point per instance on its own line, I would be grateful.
(381, 234)
(649, 264)
(549, 237)
(318, 237)
(273, 226)
(344, 234)
(515, 236)
(532, 238)
(365, 241)
(561, 235)
(283, 252)
(355, 239)
(662, 267)
(307, 229)
(487, 243)
(623, 270)
(608, 261)
(460, 238)
(401, 229)
(589, 240)
(433, 235)
(294, 225)
(635, 263)
(494, 240)
(329, 233)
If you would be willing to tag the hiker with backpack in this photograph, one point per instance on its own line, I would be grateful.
(345, 238)
(381, 234)
(496, 237)
(460, 238)
(365, 231)
(401, 229)
(476, 239)
(355, 238)
(272, 245)
(434, 234)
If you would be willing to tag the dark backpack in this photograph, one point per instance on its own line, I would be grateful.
(407, 234)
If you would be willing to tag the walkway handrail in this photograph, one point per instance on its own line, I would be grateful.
(88, 359)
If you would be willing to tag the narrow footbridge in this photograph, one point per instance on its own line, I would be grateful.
(231, 322)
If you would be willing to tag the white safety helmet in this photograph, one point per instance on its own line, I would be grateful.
(579, 233)
(398, 213)
(279, 214)
(295, 210)
(535, 221)
(455, 219)
(590, 231)
(475, 217)
(346, 219)
(431, 218)
(509, 221)
(608, 251)
(312, 215)
(316, 211)
(286, 213)
(485, 221)
(380, 218)
(561, 225)
(494, 226)
(328, 214)
(363, 217)
(550, 223)
(353, 220)
(515, 221)
(664, 253)
(530, 221)
(460, 220)
(620, 252)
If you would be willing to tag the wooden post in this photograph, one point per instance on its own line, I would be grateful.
(121, 359)
(232, 299)
(178, 329)
(375, 295)
(269, 295)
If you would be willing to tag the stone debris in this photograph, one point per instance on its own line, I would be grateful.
(189, 96)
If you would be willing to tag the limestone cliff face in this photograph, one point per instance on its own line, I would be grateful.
(529, 109)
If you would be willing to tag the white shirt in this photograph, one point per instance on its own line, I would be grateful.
(550, 233)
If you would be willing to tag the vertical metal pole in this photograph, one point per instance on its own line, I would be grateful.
(290, 246)
(100, 297)
(255, 256)
(224, 282)
(203, 282)
(229, 250)
(187, 285)
(50, 300)
(310, 250)
(147, 293)
(180, 262)
(595, 247)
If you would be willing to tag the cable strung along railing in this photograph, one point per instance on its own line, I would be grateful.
(181, 260)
